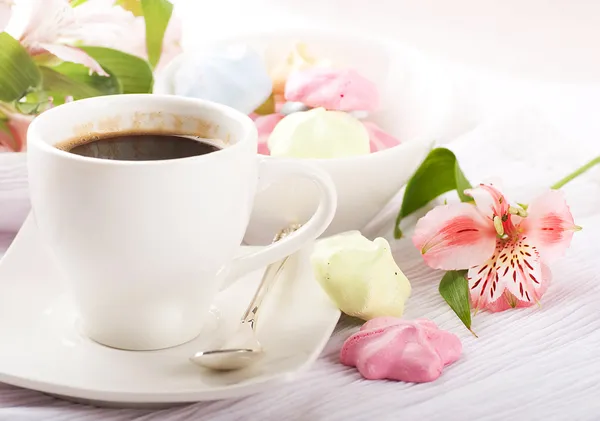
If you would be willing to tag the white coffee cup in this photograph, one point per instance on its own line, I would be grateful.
(146, 245)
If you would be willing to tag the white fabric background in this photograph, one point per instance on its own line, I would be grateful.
(538, 363)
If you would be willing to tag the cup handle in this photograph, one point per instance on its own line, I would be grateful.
(269, 171)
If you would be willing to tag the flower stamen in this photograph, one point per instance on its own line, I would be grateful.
(498, 225)
(517, 211)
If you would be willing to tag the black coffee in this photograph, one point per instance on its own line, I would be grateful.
(138, 147)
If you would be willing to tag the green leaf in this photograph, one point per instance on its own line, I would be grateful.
(438, 173)
(35, 103)
(4, 126)
(157, 14)
(46, 59)
(134, 6)
(64, 80)
(63, 85)
(454, 288)
(18, 72)
(133, 73)
(81, 74)
(75, 3)
(462, 183)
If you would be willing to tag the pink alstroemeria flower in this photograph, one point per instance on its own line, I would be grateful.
(15, 140)
(134, 41)
(53, 26)
(5, 12)
(505, 248)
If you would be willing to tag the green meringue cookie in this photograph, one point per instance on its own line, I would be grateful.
(360, 276)
(319, 133)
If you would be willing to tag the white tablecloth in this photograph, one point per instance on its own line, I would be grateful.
(532, 364)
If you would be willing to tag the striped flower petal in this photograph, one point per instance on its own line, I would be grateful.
(490, 201)
(550, 224)
(514, 267)
(509, 301)
(74, 55)
(455, 236)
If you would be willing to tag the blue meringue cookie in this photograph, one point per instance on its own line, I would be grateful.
(235, 75)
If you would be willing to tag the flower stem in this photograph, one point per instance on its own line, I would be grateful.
(576, 173)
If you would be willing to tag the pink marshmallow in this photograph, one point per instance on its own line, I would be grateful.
(342, 90)
(265, 125)
(395, 349)
(380, 140)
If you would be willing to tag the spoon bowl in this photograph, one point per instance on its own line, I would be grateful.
(244, 349)
(227, 359)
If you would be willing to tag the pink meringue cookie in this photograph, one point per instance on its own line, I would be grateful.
(332, 89)
(380, 139)
(395, 349)
(265, 125)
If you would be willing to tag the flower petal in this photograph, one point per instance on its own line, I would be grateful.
(7, 142)
(74, 55)
(484, 282)
(101, 23)
(5, 13)
(509, 301)
(15, 139)
(40, 21)
(18, 125)
(455, 236)
(490, 201)
(549, 225)
(514, 267)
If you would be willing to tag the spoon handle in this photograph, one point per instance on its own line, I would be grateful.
(271, 274)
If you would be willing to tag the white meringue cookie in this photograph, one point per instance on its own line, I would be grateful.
(360, 276)
(235, 75)
(319, 133)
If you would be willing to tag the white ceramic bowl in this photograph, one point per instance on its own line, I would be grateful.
(416, 102)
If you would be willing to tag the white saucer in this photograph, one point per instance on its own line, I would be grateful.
(41, 347)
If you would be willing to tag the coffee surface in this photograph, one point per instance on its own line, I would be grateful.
(138, 147)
